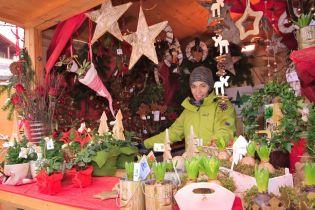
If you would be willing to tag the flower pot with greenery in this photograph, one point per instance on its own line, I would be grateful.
(306, 32)
(16, 167)
(249, 159)
(128, 153)
(210, 166)
(158, 192)
(264, 153)
(80, 169)
(192, 169)
(50, 175)
(130, 191)
(223, 154)
(262, 180)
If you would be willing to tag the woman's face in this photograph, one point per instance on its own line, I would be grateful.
(199, 90)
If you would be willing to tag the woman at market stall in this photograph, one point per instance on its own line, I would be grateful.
(209, 119)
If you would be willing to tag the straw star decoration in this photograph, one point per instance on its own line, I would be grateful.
(106, 20)
(142, 41)
(249, 13)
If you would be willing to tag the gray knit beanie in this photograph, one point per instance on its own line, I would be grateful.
(201, 74)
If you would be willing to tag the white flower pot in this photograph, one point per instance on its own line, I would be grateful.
(16, 173)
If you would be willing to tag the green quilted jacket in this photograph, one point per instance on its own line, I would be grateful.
(209, 122)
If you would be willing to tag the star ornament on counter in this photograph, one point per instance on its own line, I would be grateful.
(142, 41)
(106, 20)
(249, 13)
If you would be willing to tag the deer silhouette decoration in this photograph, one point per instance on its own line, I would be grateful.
(221, 43)
(220, 85)
(216, 7)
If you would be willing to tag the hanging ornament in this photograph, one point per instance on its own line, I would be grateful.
(106, 19)
(249, 13)
(196, 51)
(284, 25)
(143, 39)
(275, 45)
(221, 43)
(216, 8)
(219, 85)
(174, 55)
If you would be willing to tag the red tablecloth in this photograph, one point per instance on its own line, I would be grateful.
(82, 198)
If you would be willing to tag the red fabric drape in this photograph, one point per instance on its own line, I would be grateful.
(170, 86)
(63, 34)
(305, 61)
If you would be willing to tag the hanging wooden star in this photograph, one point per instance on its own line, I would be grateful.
(142, 41)
(106, 19)
(249, 13)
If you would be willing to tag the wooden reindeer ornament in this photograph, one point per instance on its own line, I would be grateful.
(118, 129)
(167, 156)
(103, 128)
(216, 7)
(220, 85)
(221, 43)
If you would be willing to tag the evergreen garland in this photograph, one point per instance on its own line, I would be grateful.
(290, 126)
(311, 133)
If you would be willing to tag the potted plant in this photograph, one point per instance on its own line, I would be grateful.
(52, 164)
(249, 159)
(262, 180)
(104, 152)
(81, 170)
(210, 166)
(192, 169)
(158, 192)
(309, 177)
(264, 153)
(16, 167)
(306, 32)
(223, 154)
(130, 191)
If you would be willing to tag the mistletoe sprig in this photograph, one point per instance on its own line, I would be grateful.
(290, 126)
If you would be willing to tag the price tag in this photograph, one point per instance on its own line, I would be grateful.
(163, 118)
(119, 51)
(158, 147)
(292, 77)
(199, 142)
(144, 168)
(148, 117)
(50, 144)
(136, 172)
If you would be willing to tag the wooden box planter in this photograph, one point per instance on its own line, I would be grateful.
(306, 37)
(131, 195)
(244, 182)
(158, 196)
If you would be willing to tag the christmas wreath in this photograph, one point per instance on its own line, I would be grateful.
(196, 51)
(290, 126)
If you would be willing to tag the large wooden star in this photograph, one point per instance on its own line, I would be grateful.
(249, 13)
(106, 19)
(142, 41)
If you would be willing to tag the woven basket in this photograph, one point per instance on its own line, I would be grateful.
(306, 37)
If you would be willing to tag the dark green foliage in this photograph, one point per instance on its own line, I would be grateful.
(311, 132)
(290, 127)
(12, 156)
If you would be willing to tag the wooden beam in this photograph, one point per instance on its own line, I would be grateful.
(34, 45)
(61, 13)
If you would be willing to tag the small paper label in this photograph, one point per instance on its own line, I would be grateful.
(148, 117)
(292, 77)
(163, 118)
(144, 168)
(119, 51)
(136, 172)
(158, 147)
(50, 144)
(151, 156)
(199, 142)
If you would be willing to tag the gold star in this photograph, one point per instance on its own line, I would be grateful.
(249, 13)
(106, 19)
(142, 41)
